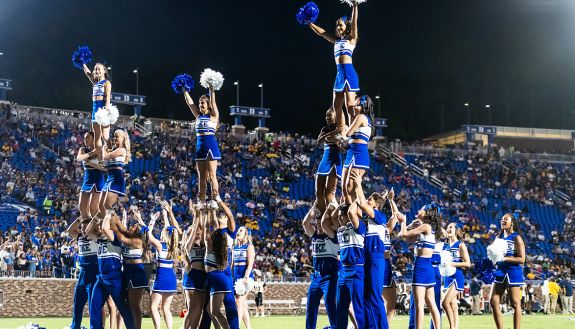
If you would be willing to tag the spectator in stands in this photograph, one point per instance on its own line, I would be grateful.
(476, 295)
(554, 290)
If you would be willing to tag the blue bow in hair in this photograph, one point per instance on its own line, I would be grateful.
(170, 229)
(249, 231)
(459, 226)
(516, 215)
(344, 18)
(144, 230)
(432, 205)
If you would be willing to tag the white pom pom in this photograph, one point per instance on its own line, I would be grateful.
(351, 2)
(445, 268)
(496, 251)
(113, 113)
(107, 116)
(250, 284)
(242, 289)
(211, 78)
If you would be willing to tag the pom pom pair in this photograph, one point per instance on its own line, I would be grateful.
(484, 269)
(242, 289)
(106, 116)
(307, 14)
(81, 56)
(496, 251)
(445, 268)
(351, 2)
(182, 83)
(211, 79)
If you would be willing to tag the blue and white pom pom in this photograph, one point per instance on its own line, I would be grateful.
(445, 268)
(351, 2)
(182, 82)
(211, 79)
(31, 326)
(308, 13)
(496, 251)
(242, 289)
(81, 56)
(107, 116)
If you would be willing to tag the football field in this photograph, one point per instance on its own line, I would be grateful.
(285, 322)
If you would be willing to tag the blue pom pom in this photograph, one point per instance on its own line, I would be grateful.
(81, 56)
(308, 13)
(184, 81)
(488, 277)
(485, 270)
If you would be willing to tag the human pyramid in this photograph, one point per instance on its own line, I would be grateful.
(351, 236)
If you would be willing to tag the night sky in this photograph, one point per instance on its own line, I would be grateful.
(420, 56)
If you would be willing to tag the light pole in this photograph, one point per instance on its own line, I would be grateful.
(1, 55)
(237, 84)
(378, 105)
(468, 109)
(137, 73)
(261, 85)
(110, 71)
(488, 107)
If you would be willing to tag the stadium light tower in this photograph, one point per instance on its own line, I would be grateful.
(468, 109)
(1, 55)
(488, 107)
(110, 71)
(237, 84)
(261, 85)
(137, 73)
(378, 105)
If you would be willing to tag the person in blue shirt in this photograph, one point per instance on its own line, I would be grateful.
(456, 282)
(244, 255)
(567, 296)
(101, 96)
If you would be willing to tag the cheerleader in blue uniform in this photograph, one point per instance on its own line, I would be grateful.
(346, 81)
(88, 262)
(165, 284)
(324, 250)
(135, 244)
(109, 279)
(374, 253)
(244, 255)
(389, 286)
(329, 169)
(93, 182)
(455, 283)
(426, 229)
(194, 281)
(207, 150)
(101, 94)
(357, 159)
(509, 272)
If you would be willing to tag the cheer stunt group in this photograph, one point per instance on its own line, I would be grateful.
(351, 235)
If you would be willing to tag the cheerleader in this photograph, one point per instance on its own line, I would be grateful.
(207, 151)
(88, 262)
(165, 284)
(509, 272)
(455, 283)
(109, 279)
(346, 81)
(194, 280)
(324, 251)
(426, 229)
(374, 253)
(101, 94)
(244, 255)
(389, 286)
(135, 244)
(93, 182)
(357, 158)
(329, 169)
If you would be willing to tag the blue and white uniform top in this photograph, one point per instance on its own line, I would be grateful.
(88, 164)
(116, 162)
(240, 255)
(343, 47)
(324, 252)
(454, 251)
(377, 235)
(98, 88)
(363, 133)
(205, 126)
(426, 241)
(351, 244)
(510, 239)
(87, 252)
(210, 258)
(109, 255)
(130, 253)
(436, 257)
(196, 254)
(162, 257)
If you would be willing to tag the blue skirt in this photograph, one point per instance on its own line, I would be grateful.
(457, 279)
(93, 180)
(388, 281)
(95, 106)
(357, 156)
(219, 282)
(330, 162)
(423, 272)
(346, 77)
(207, 148)
(508, 273)
(165, 280)
(194, 280)
(134, 276)
(115, 182)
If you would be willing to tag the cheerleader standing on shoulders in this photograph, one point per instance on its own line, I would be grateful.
(455, 283)
(207, 150)
(324, 250)
(509, 272)
(244, 255)
(426, 229)
(165, 284)
(346, 81)
(101, 94)
(93, 182)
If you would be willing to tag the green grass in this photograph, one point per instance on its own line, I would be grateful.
(297, 322)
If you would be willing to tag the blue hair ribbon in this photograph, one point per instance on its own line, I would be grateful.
(431, 206)
(516, 215)
(170, 229)
(144, 230)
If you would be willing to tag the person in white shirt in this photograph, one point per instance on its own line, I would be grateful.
(259, 289)
(545, 296)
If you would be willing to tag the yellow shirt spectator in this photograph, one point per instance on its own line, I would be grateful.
(554, 289)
